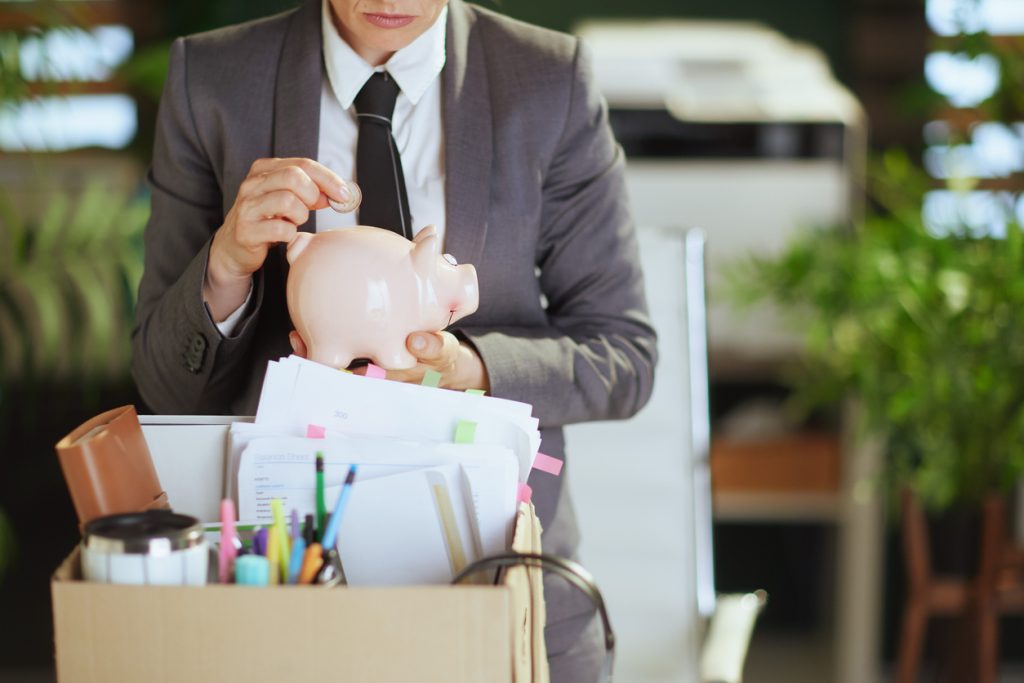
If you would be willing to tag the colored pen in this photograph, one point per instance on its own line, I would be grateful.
(228, 552)
(311, 563)
(321, 504)
(274, 555)
(331, 573)
(330, 537)
(285, 546)
(308, 531)
(296, 531)
(252, 570)
(259, 541)
(298, 555)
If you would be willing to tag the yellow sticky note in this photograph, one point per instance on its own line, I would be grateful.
(475, 392)
(431, 378)
(465, 432)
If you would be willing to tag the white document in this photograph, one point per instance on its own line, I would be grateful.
(284, 467)
(422, 507)
(453, 508)
(492, 474)
(240, 434)
(382, 543)
(298, 392)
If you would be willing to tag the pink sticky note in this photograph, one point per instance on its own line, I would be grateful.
(525, 493)
(375, 371)
(545, 463)
(315, 432)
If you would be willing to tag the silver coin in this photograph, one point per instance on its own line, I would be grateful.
(356, 198)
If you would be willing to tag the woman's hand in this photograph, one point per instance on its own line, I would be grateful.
(460, 366)
(458, 363)
(273, 200)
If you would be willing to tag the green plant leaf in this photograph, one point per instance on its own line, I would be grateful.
(46, 238)
(12, 233)
(94, 218)
(99, 305)
(42, 304)
(926, 331)
(67, 296)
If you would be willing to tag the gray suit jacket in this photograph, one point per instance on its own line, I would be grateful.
(535, 198)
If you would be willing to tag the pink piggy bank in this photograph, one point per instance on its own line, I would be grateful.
(359, 292)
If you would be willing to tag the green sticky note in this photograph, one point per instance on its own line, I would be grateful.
(431, 378)
(465, 432)
(475, 392)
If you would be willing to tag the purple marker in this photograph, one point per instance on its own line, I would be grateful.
(296, 530)
(259, 542)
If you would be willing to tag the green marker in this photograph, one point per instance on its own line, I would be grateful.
(321, 504)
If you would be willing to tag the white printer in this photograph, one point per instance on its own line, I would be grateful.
(737, 130)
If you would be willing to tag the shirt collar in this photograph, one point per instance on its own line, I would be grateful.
(414, 67)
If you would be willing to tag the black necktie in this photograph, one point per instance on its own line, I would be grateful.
(378, 164)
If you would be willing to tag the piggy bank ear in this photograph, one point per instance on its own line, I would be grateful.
(298, 245)
(426, 251)
(425, 233)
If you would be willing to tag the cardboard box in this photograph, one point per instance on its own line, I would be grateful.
(158, 634)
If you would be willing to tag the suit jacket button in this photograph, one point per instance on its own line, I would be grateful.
(195, 352)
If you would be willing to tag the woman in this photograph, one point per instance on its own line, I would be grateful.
(504, 145)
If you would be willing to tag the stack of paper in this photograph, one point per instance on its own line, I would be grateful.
(423, 505)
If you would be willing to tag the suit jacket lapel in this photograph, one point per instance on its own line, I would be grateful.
(297, 94)
(466, 112)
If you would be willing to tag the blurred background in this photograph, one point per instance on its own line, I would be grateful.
(857, 168)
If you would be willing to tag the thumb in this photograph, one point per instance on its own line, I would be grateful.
(425, 346)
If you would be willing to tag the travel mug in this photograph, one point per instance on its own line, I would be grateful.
(155, 547)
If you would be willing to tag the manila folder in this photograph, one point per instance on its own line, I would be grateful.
(530, 656)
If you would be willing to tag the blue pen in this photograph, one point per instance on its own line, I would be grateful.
(298, 552)
(331, 532)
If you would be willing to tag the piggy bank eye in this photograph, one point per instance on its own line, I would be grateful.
(451, 259)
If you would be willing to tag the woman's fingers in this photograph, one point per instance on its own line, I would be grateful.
(437, 349)
(326, 181)
(459, 364)
(291, 178)
(272, 231)
(277, 204)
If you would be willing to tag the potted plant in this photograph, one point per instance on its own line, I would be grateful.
(925, 329)
(923, 324)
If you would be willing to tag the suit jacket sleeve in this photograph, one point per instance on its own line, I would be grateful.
(595, 359)
(181, 362)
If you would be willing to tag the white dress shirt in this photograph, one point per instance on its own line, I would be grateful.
(416, 125)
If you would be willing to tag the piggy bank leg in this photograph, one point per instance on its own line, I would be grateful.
(394, 358)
